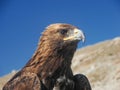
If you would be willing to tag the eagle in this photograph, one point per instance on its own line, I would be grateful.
(50, 66)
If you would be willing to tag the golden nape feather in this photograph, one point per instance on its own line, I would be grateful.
(50, 66)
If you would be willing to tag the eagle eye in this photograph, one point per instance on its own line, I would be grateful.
(63, 31)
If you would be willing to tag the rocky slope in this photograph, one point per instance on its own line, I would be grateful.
(99, 62)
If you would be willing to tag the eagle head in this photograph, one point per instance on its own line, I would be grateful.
(64, 33)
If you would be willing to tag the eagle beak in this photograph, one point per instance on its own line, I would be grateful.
(76, 35)
(79, 35)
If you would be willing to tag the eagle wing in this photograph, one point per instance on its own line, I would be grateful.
(81, 82)
(78, 82)
(24, 81)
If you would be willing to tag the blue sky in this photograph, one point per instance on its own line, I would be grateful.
(22, 21)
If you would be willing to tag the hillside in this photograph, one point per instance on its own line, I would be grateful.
(99, 62)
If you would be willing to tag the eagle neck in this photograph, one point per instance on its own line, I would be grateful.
(49, 59)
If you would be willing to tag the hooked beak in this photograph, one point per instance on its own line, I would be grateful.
(76, 35)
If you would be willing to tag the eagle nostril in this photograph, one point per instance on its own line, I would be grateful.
(76, 32)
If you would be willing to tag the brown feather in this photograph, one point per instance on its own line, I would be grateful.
(51, 60)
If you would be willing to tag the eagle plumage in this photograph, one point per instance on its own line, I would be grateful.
(50, 66)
